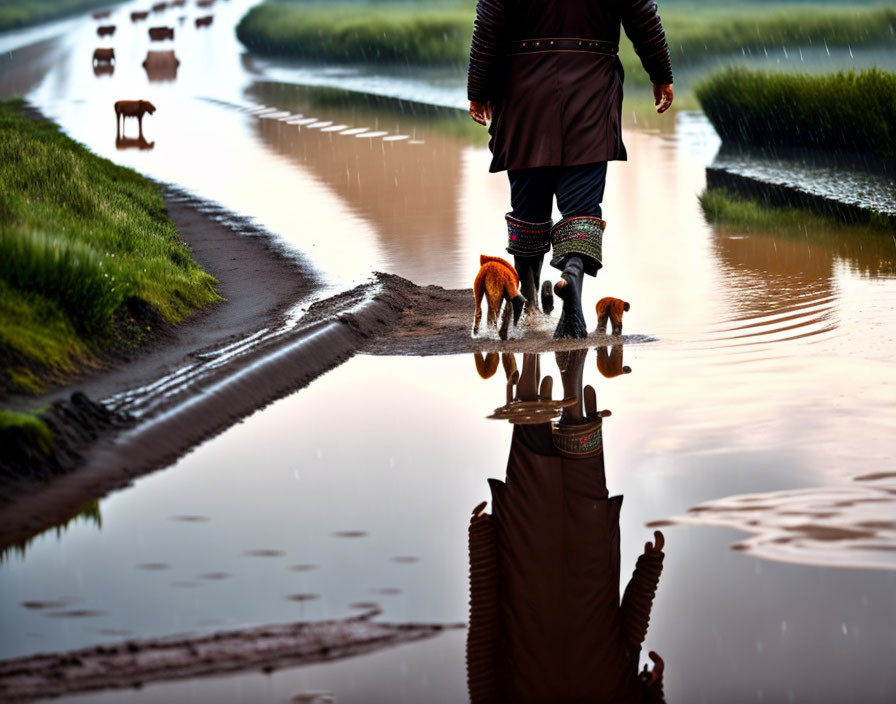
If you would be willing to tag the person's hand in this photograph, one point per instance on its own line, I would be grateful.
(655, 549)
(662, 93)
(656, 674)
(480, 112)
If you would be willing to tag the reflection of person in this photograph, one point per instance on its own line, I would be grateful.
(546, 620)
(545, 77)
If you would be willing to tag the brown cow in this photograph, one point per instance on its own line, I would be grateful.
(160, 6)
(103, 69)
(101, 14)
(204, 21)
(103, 56)
(137, 16)
(178, 3)
(158, 34)
(106, 30)
(161, 66)
(132, 108)
(204, 3)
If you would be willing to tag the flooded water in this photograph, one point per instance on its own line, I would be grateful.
(766, 403)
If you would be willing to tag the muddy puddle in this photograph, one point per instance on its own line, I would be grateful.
(764, 402)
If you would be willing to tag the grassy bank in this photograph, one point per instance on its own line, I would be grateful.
(440, 33)
(88, 255)
(847, 111)
(19, 13)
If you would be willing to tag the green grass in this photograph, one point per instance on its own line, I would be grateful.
(79, 238)
(847, 111)
(19, 13)
(439, 33)
(35, 430)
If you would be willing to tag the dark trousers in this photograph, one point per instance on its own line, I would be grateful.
(579, 191)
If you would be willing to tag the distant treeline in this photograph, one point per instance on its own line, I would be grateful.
(846, 111)
(439, 32)
(19, 13)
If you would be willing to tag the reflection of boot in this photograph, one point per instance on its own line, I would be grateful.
(577, 251)
(528, 242)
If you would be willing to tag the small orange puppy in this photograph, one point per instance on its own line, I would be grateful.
(498, 281)
(610, 309)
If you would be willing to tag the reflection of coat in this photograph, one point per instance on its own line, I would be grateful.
(558, 632)
(559, 108)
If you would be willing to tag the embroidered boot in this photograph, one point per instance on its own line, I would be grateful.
(528, 243)
(577, 251)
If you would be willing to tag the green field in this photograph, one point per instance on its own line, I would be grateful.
(439, 32)
(83, 245)
(19, 13)
(846, 111)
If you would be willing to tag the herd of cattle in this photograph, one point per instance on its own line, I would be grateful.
(159, 65)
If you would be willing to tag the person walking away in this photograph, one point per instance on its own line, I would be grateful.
(545, 78)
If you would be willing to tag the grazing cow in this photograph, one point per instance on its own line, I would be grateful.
(101, 14)
(103, 56)
(204, 21)
(204, 3)
(132, 108)
(137, 16)
(106, 30)
(158, 34)
(160, 6)
(161, 66)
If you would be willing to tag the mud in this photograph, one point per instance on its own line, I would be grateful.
(134, 663)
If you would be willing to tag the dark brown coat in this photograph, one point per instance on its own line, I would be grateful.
(158, 34)
(559, 108)
(553, 627)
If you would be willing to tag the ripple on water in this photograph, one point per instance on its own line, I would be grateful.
(849, 525)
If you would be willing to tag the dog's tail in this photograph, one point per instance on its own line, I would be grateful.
(485, 259)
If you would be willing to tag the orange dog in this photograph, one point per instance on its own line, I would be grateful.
(498, 281)
(610, 309)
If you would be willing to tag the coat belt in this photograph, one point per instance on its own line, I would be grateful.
(562, 44)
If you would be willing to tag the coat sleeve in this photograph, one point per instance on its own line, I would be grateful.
(486, 49)
(638, 599)
(642, 25)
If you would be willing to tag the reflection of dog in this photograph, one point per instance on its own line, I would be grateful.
(610, 309)
(204, 21)
(133, 143)
(106, 30)
(609, 361)
(161, 65)
(498, 281)
(137, 16)
(103, 56)
(132, 108)
(158, 34)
